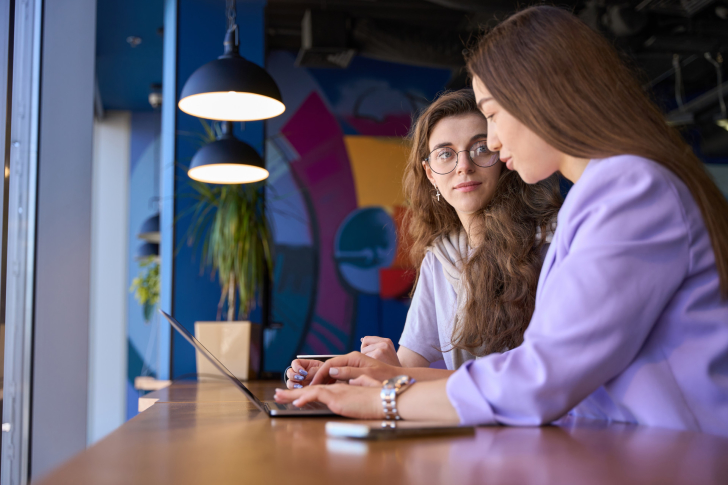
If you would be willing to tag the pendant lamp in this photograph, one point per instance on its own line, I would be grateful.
(227, 161)
(147, 249)
(150, 229)
(231, 87)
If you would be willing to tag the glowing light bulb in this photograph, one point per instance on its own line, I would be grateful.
(228, 173)
(232, 106)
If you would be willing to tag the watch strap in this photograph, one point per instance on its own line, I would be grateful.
(391, 388)
(389, 403)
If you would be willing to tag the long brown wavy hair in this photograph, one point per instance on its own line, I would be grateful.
(500, 277)
(568, 85)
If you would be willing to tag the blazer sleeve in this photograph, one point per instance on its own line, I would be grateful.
(624, 251)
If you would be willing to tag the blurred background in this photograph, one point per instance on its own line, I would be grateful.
(113, 235)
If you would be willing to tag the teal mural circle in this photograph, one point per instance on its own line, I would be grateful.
(366, 241)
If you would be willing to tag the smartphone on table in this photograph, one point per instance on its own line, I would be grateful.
(322, 358)
(384, 430)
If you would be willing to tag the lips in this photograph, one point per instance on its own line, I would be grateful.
(509, 162)
(467, 186)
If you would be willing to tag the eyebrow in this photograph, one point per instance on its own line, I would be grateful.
(483, 101)
(472, 139)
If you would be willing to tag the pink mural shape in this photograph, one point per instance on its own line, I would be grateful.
(324, 170)
(394, 125)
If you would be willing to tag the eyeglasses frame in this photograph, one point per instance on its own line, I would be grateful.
(494, 159)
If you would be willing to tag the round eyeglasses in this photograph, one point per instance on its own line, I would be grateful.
(444, 160)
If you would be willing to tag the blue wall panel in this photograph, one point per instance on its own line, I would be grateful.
(201, 29)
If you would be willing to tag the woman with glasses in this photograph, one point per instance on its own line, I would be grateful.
(631, 316)
(476, 230)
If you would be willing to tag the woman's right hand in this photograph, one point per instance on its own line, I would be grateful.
(301, 372)
(381, 349)
(352, 366)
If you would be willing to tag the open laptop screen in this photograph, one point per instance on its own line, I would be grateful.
(208, 355)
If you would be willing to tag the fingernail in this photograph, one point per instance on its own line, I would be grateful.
(298, 377)
(297, 386)
(295, 403)
(333, 371)
(302, 372)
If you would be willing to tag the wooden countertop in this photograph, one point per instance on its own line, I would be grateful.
(190, 391)
(206, 433)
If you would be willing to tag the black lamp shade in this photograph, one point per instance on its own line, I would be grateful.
(231, 88)
(147, 249)
(150, 229)
(227, 161)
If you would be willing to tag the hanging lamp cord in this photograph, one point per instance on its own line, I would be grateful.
(719, 75)
(678, 80)
(231, 38)
(231, 13)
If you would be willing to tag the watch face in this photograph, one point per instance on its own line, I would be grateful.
(397, 382)
(400, 381)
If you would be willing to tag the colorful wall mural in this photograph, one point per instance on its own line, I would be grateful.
(337, 157)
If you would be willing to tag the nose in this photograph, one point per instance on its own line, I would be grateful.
(465, 163)
(494, 144)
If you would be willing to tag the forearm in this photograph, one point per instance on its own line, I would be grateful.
(410, 358)
(427, 401)
(422, 374)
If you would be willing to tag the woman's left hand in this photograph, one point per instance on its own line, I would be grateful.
(355, 401)
(381, 349)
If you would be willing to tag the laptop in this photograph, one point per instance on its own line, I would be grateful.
(271, 408)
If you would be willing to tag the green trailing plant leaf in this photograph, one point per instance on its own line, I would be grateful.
(146, 286)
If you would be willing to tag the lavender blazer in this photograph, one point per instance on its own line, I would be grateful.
(629, 324)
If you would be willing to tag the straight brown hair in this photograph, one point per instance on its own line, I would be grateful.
(568, 85)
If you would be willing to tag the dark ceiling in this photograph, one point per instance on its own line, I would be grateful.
(432, 33)
(128, 52)
(656, 34)
(435, 32)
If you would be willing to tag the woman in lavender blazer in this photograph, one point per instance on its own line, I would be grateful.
(631, 317)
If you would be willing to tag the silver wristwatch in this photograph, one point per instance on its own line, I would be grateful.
(392, 388)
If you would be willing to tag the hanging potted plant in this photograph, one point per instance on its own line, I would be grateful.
(231, 224)
(146, 286)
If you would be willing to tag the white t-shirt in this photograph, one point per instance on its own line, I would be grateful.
(428, 327)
